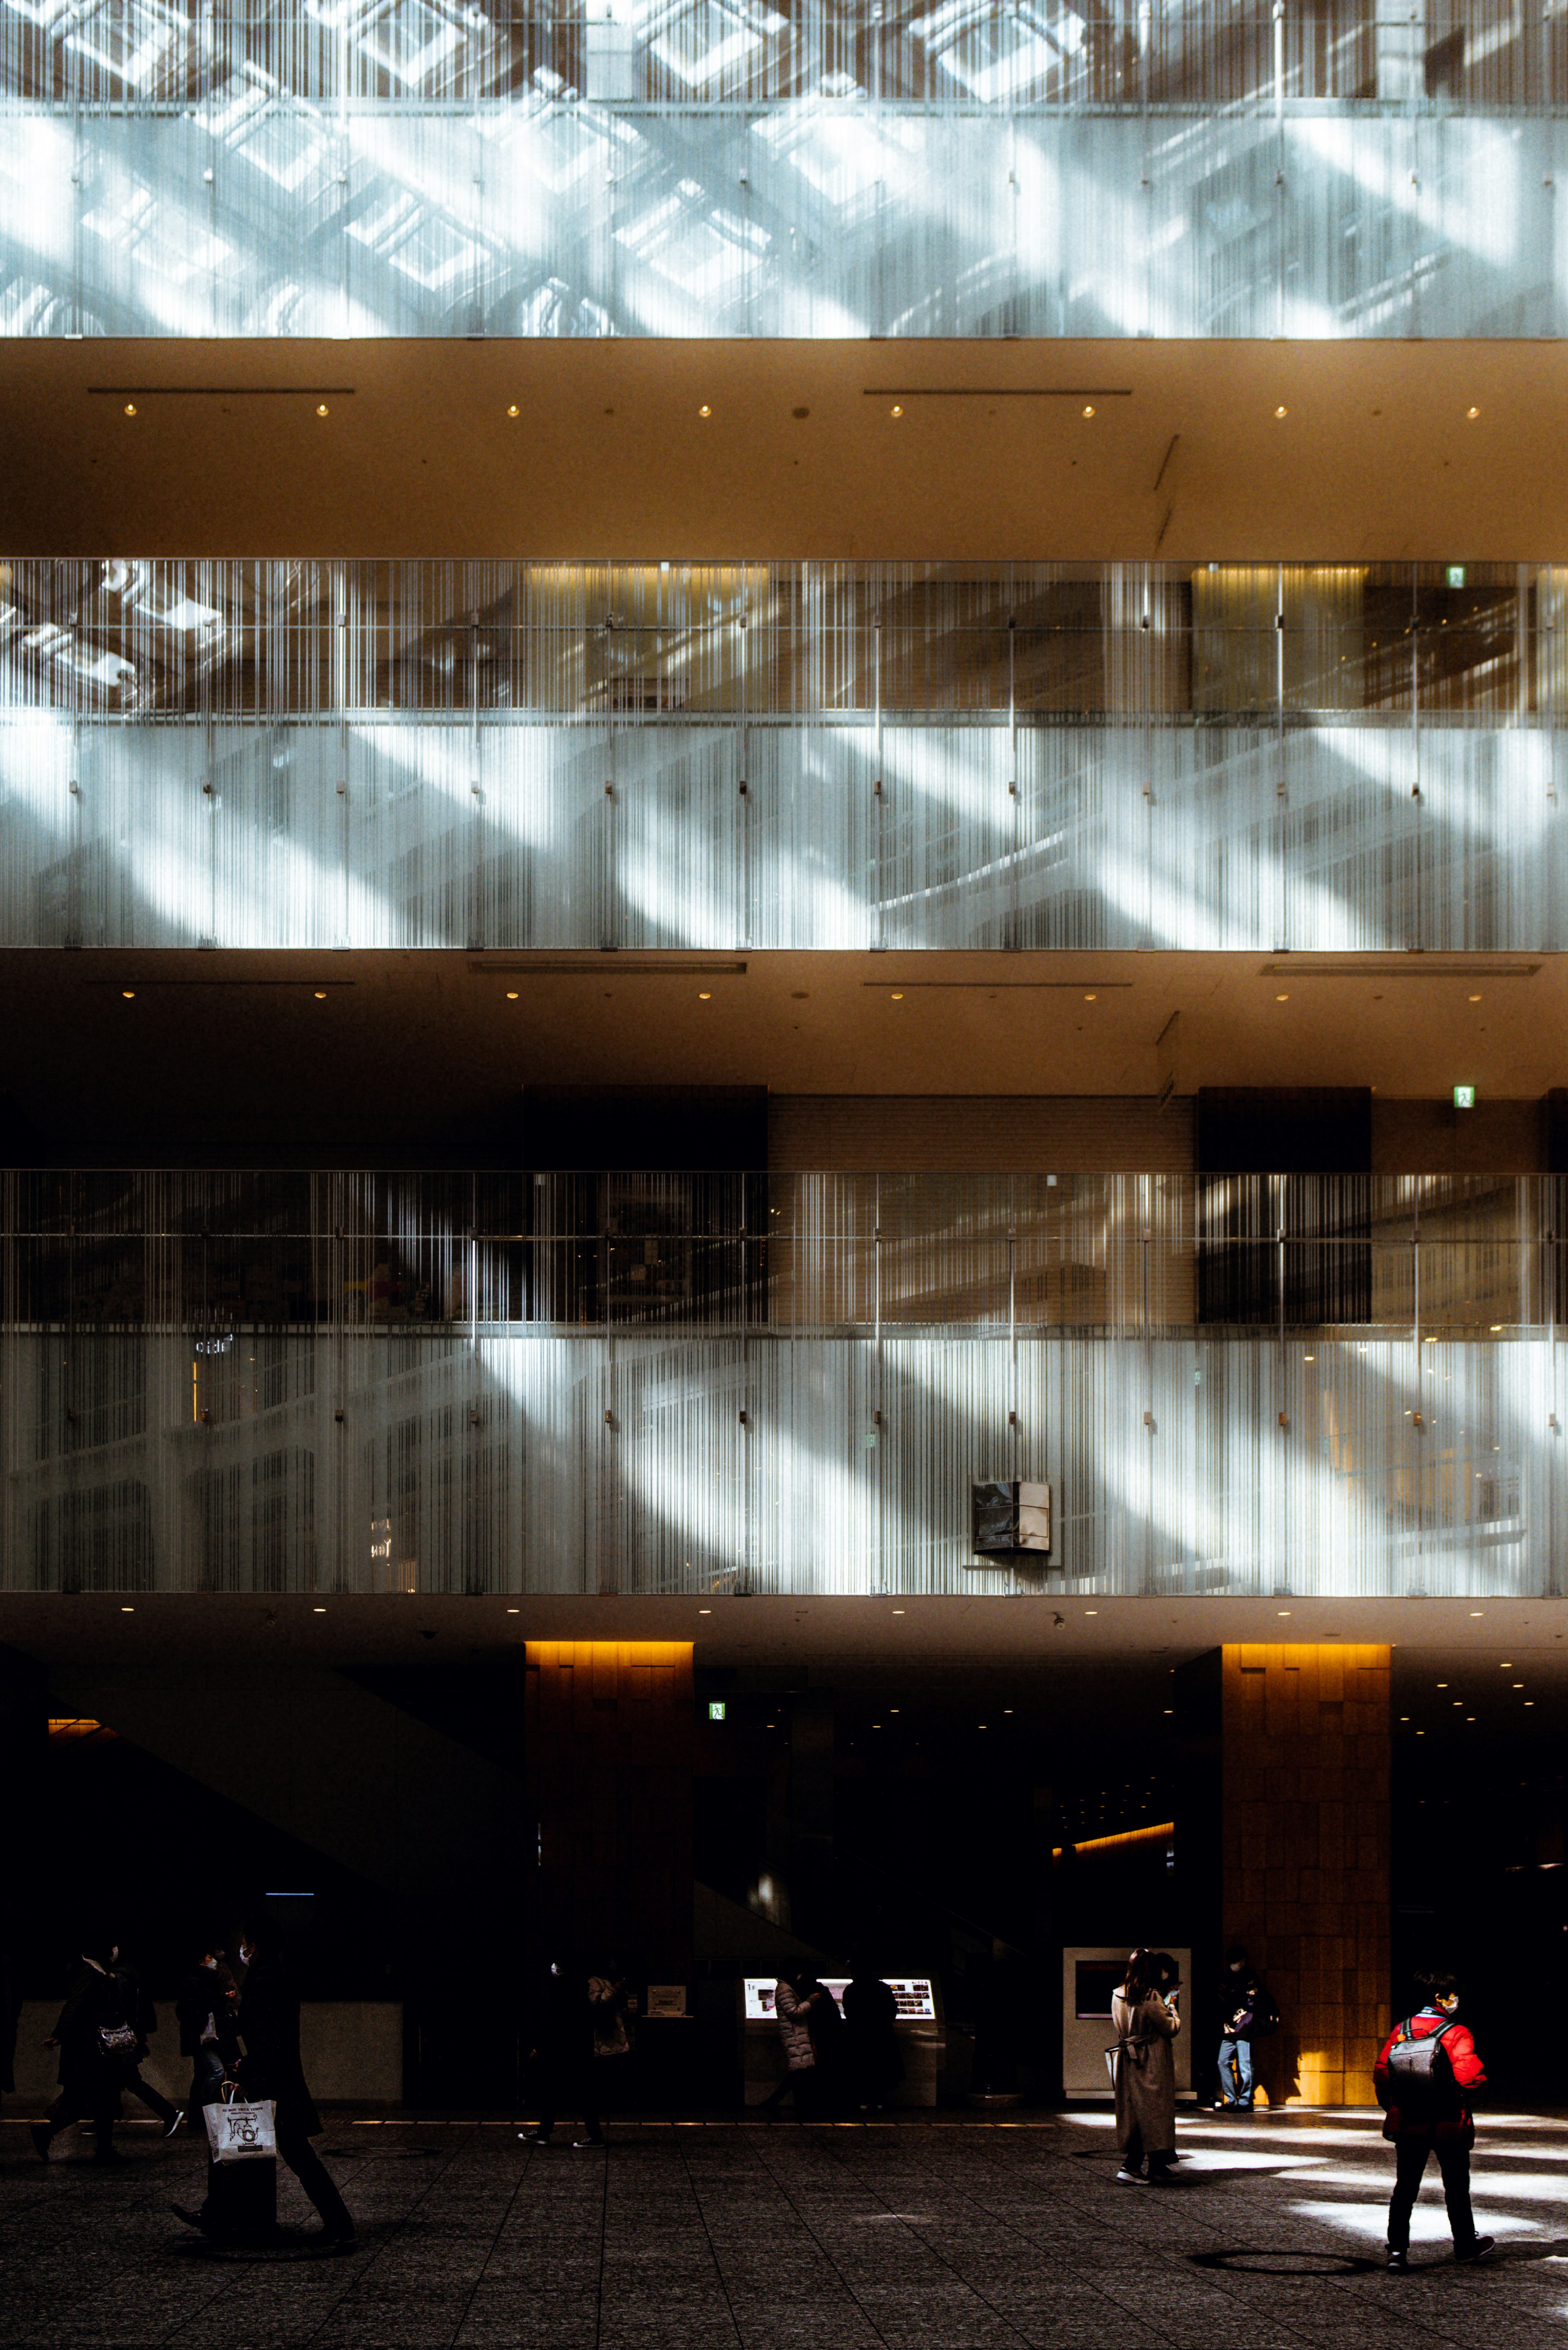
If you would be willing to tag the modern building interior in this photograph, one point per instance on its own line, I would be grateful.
(784, 922)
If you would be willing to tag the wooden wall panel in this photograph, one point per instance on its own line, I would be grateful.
(607, 1757)
(1306, 1860)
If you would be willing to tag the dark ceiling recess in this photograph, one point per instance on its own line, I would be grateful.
(1284, 1129)
(721, 1130)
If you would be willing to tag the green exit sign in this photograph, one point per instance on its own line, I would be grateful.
(715, 1709)
(1456, 575)
(1464, 1096)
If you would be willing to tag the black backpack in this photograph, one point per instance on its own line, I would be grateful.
(1421, 2075)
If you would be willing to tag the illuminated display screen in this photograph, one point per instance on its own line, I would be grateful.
(912, 1993)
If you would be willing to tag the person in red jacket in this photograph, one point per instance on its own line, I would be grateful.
(1431, 2115)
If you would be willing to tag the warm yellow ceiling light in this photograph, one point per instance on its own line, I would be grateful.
(321, 407)
(130, 407)
(1282, 412)
(513, 410)
(705, 410)
(1088, 412)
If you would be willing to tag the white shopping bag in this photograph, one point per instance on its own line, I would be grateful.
(241, 2133)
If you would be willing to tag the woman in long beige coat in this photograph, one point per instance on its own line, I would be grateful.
(1147, 2025)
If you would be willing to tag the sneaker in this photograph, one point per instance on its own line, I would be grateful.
(1131, 2178)
(533, 2138)
(174, 2122)
(1480, 2251)
(1398, 2261)
(587, 2141)
(39, 2132)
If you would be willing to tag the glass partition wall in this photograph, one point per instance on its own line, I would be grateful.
(727, 167)
(697, 1384)
(799, 755)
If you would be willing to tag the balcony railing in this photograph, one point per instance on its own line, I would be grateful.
(682, 1384)
(515, 755)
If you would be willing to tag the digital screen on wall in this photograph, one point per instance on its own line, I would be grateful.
(1093, 1981)
(912, 1994)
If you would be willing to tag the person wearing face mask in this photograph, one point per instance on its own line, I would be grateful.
(1248, 2010)
(1428, 2064)
(271, 2067)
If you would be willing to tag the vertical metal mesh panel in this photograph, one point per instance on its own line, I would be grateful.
(515, 755)
(724, 167)
(699, 1383)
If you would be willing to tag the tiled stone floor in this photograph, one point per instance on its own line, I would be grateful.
(722, 2235)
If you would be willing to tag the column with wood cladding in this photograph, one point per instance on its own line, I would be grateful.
(608, 1756)
(1306, 1860)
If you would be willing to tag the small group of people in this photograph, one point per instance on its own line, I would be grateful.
(1425, 2071)
(838, 2057)
(584, 2036)
(238, 2031)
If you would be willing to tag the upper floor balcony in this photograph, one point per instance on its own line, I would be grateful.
(733, 167)
(495, 756)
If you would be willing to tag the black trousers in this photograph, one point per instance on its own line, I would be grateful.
(154, 2099)
(100, 2107)
(1410, 2161)
(295, 2148)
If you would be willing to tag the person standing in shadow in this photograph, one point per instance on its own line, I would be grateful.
(96, 2038)
(875, 2064)
(272, 2067)
(207, 2010)
(797, 1999)
(563, 2052)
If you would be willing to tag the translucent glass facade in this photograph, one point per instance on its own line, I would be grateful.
(803, 755)
(684, 1384)
(730, 167)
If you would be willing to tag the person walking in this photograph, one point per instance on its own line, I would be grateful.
(796, 1999)
(1248, 2012)
(1147, 2024)
(272, 2068)
(874, 2062)
(1427, 2064)
(611, 2006)
(144, 2016)
(207, 2010)
(96, 2036)
(563, 2052)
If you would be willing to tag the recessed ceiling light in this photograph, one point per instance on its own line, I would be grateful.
(1475, 999)
(704, 995)
(321, 995)
(127, 992)
(1403, 1717)
(900, 1611)
(1280, 412)
(513, 410)
(1519, 1685)
(514, 1611)
(512, 995)
(319, 1611)
(897, 410)
(897, 995)
(127, 1611)
(1091, 1611)
(1282, 1611)
(1309, 1358)
(1472, 413)
(1443, 1684)
(1088, 412)
(1478, 1611)
(1282, 999)
(1090, 999)
(705, 410)
(130, 407)
(704, 1611)
(321, 407)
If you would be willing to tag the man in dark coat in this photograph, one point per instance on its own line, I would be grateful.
(272, 2068)
(96, 2036)
(870, 2025)
(563, 2052)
